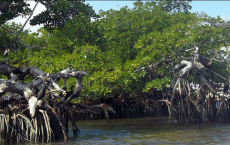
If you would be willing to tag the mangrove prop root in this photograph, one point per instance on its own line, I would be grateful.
(200, 105)
(28, 114)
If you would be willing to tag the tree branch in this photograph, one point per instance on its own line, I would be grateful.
(26, 21)
(151, 66)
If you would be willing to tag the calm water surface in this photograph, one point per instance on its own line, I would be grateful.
(146, 131)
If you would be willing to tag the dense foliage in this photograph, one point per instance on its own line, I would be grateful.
(114, 47)
(66, 9)
(11, 9)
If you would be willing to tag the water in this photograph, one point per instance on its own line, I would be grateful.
(147, 131)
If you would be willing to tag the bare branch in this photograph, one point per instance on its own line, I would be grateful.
(183, 71)
(223, 60)
(218, 75)
(151, 66)
(26, 21)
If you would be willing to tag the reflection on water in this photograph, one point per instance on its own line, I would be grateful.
(147, 131)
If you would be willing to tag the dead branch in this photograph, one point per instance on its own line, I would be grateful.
(151, 66)
(26, 21)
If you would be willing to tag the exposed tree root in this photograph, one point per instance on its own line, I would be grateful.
(200, 105)
(134, 106)
(27, 113)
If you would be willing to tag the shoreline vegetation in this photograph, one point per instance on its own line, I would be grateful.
(157, 59)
